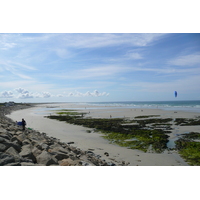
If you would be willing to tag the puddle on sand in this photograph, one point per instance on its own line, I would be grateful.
(171, 143)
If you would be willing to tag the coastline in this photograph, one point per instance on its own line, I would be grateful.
(33, 148)
(94, 142)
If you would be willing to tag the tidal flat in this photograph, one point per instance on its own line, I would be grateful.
(149, 133)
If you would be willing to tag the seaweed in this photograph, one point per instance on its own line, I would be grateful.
(187, 122)
(118, 131)
(188, 148)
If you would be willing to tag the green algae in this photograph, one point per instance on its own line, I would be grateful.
(117, 131)
(188, 148)
(187, 122)
(141, 134)
(146, 116)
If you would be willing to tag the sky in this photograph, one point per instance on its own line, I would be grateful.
(99, 67)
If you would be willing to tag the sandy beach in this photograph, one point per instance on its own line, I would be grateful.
(93, 141)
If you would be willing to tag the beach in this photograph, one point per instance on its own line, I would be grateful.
(89, 140)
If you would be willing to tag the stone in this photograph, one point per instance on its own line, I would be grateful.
(16, 146)
(21, 137)
(6, 136)
(69, 162)
(45, 158)
(61, 156)
(12, 152)
(26, 141)
(44, 146)
(16, 140)
(70, 143)
(36, 152)
(27, 164)
(27, 152)
(2, 147)
(6, 158)
(13, 164)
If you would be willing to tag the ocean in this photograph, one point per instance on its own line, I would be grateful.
(193, 106)
(188, 106)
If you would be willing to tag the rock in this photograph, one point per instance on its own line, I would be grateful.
(45, 158)
(44, 146)
(12, 152)
(36, 152)
(106, 153)
(70, 143)
(27, 164)
(16, 140)
(6, 158)
(2, 147)
(26, 141)
(61, 156)
(21, 137)
(69, 162)
(16, 146)
(6, 136)
(13, 164)
(27, 152)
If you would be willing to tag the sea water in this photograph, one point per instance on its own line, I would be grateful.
(191, 106)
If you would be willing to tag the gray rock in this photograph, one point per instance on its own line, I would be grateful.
(26, 141)
(16, 146)
(6, 136)
(61, 156)
(27, 164)
(2, 147)
(13, 164)
(16, 140)
(44, 146)
(6, 158)
(46, 159)
(36, 152)
(12, 152)
(27, 152)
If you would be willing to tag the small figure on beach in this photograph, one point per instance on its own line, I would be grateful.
(23, 124)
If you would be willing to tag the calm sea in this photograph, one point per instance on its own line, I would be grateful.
(193, 106)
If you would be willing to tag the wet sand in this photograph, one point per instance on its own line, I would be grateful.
(93, 141)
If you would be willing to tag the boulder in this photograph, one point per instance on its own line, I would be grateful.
(69, 162)
(21, 137)
(2, 147)
(6, 158)
(16, 146)
(45, 158)
(60, 156)
(12, 152)
(27, 152)
(36, 152)
(13, 164)
(6, 136)
(43, 146)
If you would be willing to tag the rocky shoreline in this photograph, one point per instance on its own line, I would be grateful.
(32, 148)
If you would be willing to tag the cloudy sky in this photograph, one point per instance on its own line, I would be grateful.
(99, 67)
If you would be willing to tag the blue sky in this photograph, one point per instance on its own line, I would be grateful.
(85, 67)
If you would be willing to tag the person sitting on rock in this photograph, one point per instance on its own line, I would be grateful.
(23, 124)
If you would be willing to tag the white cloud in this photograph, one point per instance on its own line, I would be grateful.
(102, 40)
(6, 94)
(21, 90)
(95, 93)
(46, 95)
(187, 60)
(25, 96)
